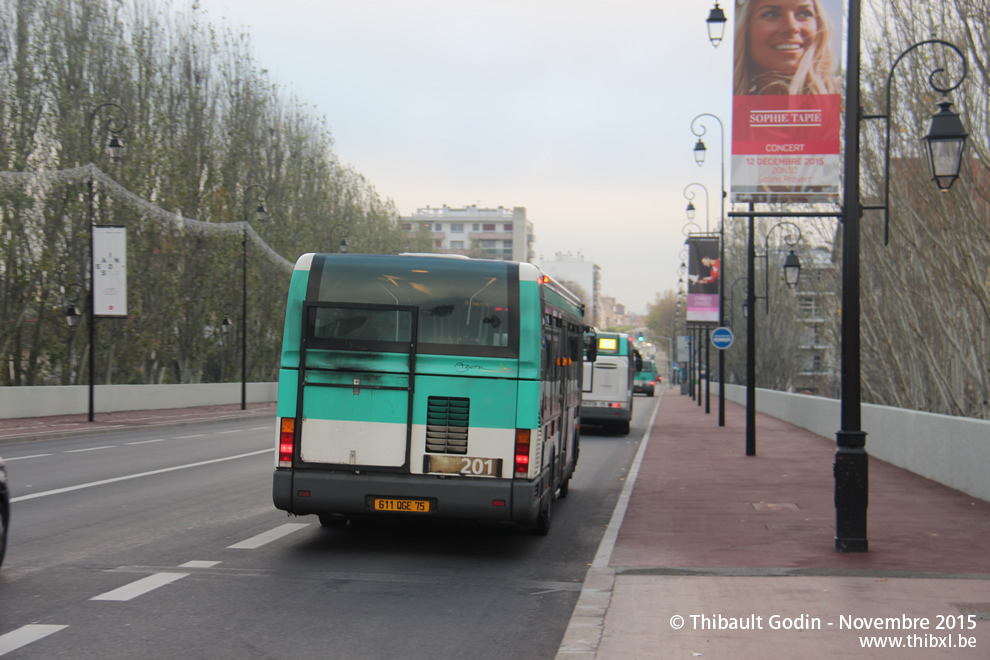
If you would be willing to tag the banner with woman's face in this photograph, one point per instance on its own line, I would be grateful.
(787, 101)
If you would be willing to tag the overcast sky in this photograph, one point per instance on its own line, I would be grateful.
(579, 111)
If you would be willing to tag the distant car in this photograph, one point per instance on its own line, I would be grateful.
(4, 509)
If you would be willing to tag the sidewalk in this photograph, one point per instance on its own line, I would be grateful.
(26, 429)
(714, 543)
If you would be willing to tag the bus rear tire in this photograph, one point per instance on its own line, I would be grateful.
(623, 427)
(542, 525)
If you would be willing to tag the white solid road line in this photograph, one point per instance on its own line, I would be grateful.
(25, 635)
(269, 536)
(142, 586)
(69, 489)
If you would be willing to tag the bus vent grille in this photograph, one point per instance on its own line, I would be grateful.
(447, 425)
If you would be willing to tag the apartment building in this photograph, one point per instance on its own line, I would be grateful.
(585, 278)
(502, 233)
(818, 313)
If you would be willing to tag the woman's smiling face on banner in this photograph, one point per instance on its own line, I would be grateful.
(780, 33)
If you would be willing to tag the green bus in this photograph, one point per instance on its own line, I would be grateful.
(646, 379)
(427, 386)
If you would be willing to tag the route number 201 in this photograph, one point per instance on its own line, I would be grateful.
(477, 466)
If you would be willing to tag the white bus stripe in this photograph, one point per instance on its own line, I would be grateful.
(142, 586)
(69, 489)
(25, 635)
(269, 536)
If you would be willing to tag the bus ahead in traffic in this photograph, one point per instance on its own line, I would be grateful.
(430, 386)
(607, 398)
(645, 380)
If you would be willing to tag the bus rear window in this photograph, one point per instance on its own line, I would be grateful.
(464, 307)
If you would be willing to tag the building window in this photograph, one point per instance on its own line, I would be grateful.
(427, 226)
(438, 227)
(438, 243)
(476, 227)
(507, 244)
(816, 363)
(457, 228)
(488, 227)
(507, 227)
(486, 244)
(457, 245)
(406, 226)
(809, 306)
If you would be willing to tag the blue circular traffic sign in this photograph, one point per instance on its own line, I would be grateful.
(722, 338)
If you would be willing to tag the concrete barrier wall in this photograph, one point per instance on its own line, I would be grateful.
(46, 401)
(954, 451)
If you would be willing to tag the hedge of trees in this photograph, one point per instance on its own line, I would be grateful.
(208, 137)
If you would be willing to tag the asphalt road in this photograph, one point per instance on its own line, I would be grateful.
(165, 544)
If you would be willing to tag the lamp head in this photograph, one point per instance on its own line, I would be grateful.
(700, 151)
(792, 270)
(944, 144)
(716, 25)
(116, 148)
(72, 316)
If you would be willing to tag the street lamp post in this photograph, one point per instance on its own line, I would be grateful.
(116, 150)
(702, 331)
(699, 156)
(260, 213)
(343, 242)
(791, 275)
(944, 143)
(732, 291)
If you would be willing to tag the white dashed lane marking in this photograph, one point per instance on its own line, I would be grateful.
(269, 536)
(199, 564)
(25, 635)
(142, 586)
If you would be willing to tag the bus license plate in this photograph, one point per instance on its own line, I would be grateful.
(466, 465)
(401, 506)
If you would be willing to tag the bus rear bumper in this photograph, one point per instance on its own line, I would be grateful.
(344, 493)
(605, 415)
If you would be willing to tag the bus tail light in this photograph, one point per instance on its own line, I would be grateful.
(286, 441)
(522, 453)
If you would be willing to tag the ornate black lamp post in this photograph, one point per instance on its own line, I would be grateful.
(260, 213)
(944, 145)
(343, 247)
(699, 156)
(792, 271)
(116, 122)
